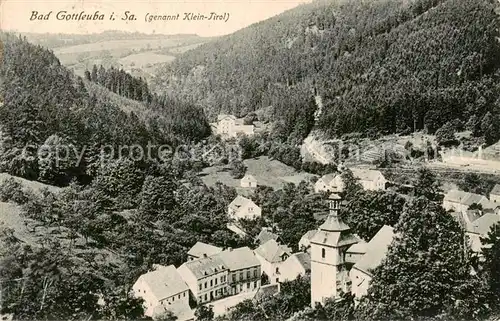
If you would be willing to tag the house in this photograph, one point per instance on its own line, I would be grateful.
(329, 183)
(305, 240)
(201, 249)
(460, 201)
(272, 257)
(376, 250)
(162, 289)
(230, 126)
(243, 208)
(248, 181)
(266, 235)
(295, 265)
(244, 270)
(356, 251)
(476, 224)
(371, 180)
(206, 277)
(495, 194)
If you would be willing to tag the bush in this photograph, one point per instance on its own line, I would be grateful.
(12, 191)
(238, 169)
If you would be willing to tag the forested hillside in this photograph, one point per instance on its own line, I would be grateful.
(380, 66)
(45, 105)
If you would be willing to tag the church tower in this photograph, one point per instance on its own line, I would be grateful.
(328, 247)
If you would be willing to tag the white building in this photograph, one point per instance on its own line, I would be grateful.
(476, 225)
(371, 180)
(495, 194)
(206, 278)
(375, 252)
(296, 264)
(230, 126)
(244, 270)
(248, 181)
(272, 257)
(329, 273)
(243, 208)
(201, 249)
(162, 289)
(460, 201)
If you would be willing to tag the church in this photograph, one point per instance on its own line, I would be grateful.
(336, 252)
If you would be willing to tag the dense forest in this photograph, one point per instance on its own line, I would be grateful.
(380, 66)
(45, 106)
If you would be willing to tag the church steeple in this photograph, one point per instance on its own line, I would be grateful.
(333, 223)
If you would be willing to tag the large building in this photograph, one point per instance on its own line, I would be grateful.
(329, 269)
(244, 270)
(364, 263)
(229, 126)
(460, 201)
(206, 278)
(162, 289)
(272, 257)
(371, 180)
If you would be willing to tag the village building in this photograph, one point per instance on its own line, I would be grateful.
(243, 208)
(476, 225)
(163, 289)
(206, 278)
(460, 201)
(371, 180)
(248, 181)
(228, 126)
(272, 256)
(266, 235)
(297, 264)
(329, 272)
(266, 291)
(201, 249)
(495, 194)
(244, 270)
(305, 241)
(376, 250)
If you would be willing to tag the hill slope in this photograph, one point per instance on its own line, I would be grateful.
(383, 66)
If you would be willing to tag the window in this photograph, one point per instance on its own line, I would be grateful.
(205, 285)
(248, 274)
(255, 273)
(211, 282)
(323, 253)
(173, 298)
(277, 270)
(255, 284)
(241, 276)
(221, 279)
(205, 296)
(215, 281)
(201, 287)
(234, 277)
(248, 285)
(179, 296)
(184, 294)
(277, 280)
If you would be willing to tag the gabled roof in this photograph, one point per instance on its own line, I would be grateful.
(265, 236)
(483, 224)
(328, 178)
(309, 235)
(221, 117)
(366, 174)
(376, 250)
(468, 199)
(237, 259)
(358, 248)
(179, 308)
(240, 201)
(300, 259)
(200, 249)
(164, 282)
(495, 190)
(249, 177)
(267, 291)
(205, 266)
(272, 252)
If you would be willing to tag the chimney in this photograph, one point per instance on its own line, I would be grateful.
(204, 254)
(230, 249)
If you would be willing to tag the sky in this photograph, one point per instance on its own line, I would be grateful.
(16, 15)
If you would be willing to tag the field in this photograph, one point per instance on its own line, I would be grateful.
(140, 57)
(267, 172)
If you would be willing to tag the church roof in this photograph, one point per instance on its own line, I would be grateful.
(334, 224)
(334, 239)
